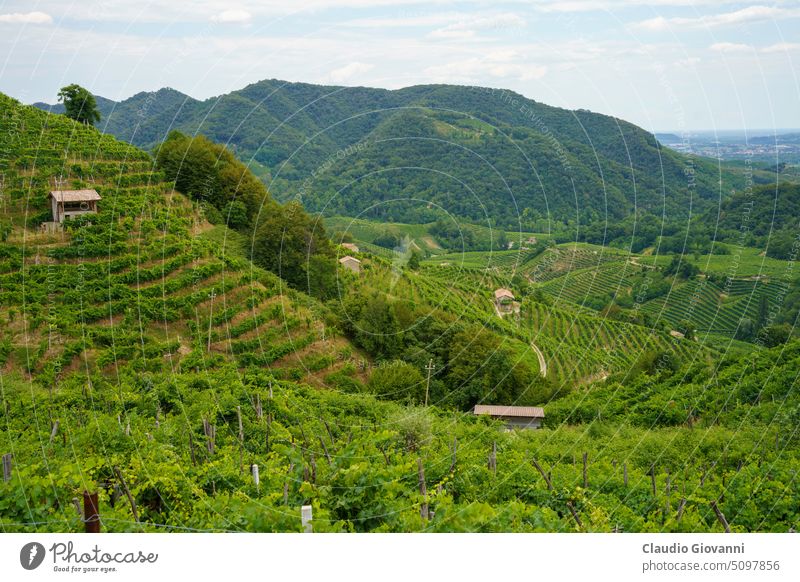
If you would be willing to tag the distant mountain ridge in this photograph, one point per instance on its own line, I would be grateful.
(485, 155)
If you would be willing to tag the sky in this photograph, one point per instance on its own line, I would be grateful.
(677, 65)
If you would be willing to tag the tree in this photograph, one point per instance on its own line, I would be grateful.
(775, 335)
(235, 213)
(79, 104)
(763, 312)
(480, 369)
(687, 328)
(295, 247)
(398, 381)
(413, 261)
(209, 173)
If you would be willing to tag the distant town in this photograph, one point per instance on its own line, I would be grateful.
(775, 147)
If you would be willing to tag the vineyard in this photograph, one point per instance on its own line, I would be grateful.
(141, 280)
(145, 358)
(183, 446)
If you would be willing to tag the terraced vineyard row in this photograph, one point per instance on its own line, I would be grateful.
(582, 347)
(136, 281)
(557, 261)
(709, 307)
(581, 286)
(506, 262)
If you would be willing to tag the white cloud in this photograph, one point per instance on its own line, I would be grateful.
(27, 18)
(501, 64)
(781, 47)
(730, 47)
(437, 19)
(349, 71)
(618, 5)
(687, 62)
(743, 16)
(468, 28)
(235, 15)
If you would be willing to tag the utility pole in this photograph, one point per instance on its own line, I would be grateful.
(211, 296)
(430, 367)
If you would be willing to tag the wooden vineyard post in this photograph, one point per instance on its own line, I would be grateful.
(681, 507)
(585, 474)
(54, 432)
(574, 514)
(423, 490)
(127, 491)
(543, 474)
(625, 473)
(191, 449)
(325, 450)
(211, 432)
(721, 517)
(241, 437)
(269, 430)
(91, 514)
(653, 478)
(328, 429)
(493, 459)
(7, 467)
(455, 450)
(286, 484)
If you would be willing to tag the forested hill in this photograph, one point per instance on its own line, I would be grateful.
(480, 154)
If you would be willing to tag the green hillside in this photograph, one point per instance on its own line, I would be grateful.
(145, 282)
(487, 156)
(145, 357)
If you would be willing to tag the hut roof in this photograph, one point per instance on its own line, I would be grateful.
(521, 411)
(75, 195)
(349, 259)
(503, 292)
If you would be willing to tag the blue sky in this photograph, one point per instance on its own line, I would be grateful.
(665, 64)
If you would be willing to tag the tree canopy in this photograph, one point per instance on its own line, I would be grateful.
(209, 172)
(80, 105)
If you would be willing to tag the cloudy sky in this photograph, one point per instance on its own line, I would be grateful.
(663, 64)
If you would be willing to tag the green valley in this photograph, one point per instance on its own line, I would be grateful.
(200, 324)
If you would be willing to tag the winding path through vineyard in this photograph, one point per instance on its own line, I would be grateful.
(542, 362)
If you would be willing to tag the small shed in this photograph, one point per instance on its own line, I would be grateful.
(513, 416)
(71, 203)
(504, 299)
(351, 263)
(351, 247)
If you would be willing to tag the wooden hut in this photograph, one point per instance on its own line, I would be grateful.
(71, 203)
(513, 416)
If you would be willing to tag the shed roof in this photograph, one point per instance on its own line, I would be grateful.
(503, 292)
(523, 411)
(349, 259)
(75, 195)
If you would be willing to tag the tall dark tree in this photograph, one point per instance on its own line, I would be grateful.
(79, 104)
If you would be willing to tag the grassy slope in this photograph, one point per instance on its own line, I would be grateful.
(147, 279)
